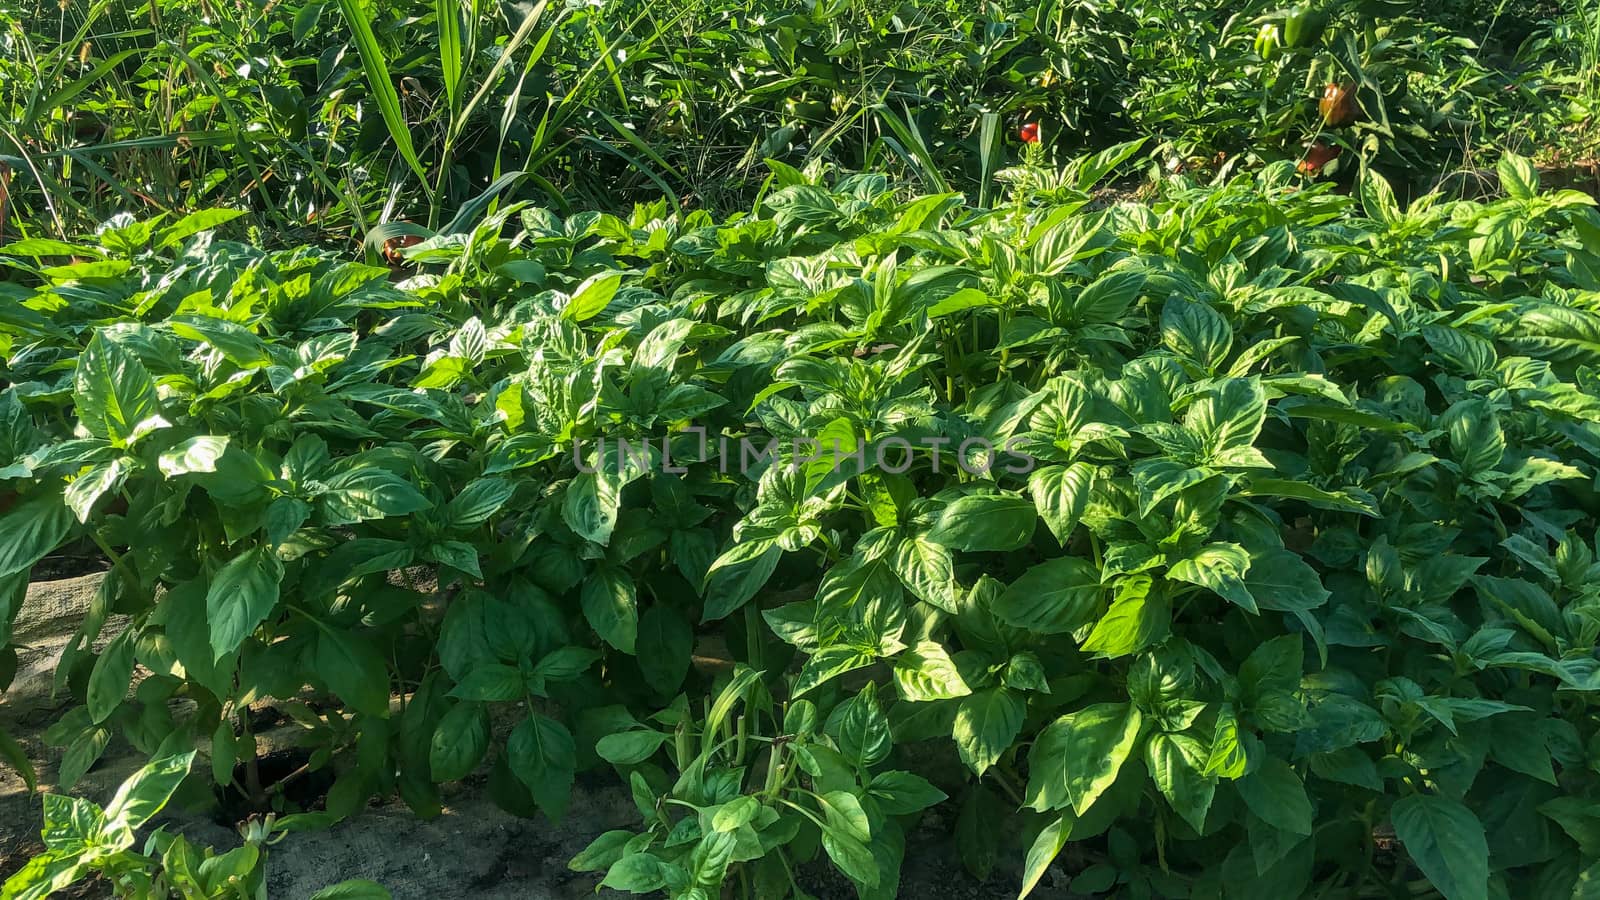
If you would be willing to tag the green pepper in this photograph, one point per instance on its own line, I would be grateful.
(1303, 26)
(1268, 40)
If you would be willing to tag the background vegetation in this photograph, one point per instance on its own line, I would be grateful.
(328, 117)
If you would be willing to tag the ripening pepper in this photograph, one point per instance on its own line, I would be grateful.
(1338, 103)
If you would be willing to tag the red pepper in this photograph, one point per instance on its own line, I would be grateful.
(1029, 133)
(1317, 156)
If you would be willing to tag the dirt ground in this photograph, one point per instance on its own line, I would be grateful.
(473, 850)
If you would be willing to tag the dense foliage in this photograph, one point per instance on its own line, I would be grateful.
(851, 457)
(324, 117)
(1244, 539)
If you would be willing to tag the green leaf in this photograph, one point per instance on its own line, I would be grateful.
(241, 596)
(1228, 757)
(1196, 332)
(488, 682)
(109, 680)
(236, 343)
(1447, 843)
(900, 793)
(1221, 569)
(352, 667)
(1337, 501)
(976, 837)
(183, 612)
(196, 454)
(459, 742)
(1276, 795)
(542, 756)
(30, 531)
(985, 522)
(1044, 850)
(46, 247)
(1282, 580)
(927, 570)
(590, 505)
(636, 873)
(627, 748)
(480, 499)
(1461, 351)
(1519, 178)
(926, 672)
(191, 225)
(1061, 493)
(611, 607)
(44, 875)
(1108, 297)
(826, 665)
(1476, 441)
(1275, 665)
(146, 792)
(853, 857)
(15, 757)
(1227, 420)
(1054, 597)
(861, 730)
(736, 575)
(85, 490)
(602, 852)
(1077, 757)
(113, 394)
(1348, 766)
(565, 663)
(664, 646)
(987, 722)
(1024, 672)
(84, 751)
(1138, 618)
(367, 492)
(225, 748)
(592, 296)
(735, 813)
(447, 15)
(354, 889)
(1177, 763)
(1588, 884)
(1377, 198)
(842, 812)
(964, 298)
(1557, 333)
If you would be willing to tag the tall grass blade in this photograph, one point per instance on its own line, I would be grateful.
(450, 52)
(381, 85)
(524, 31)
(989, 153)
(910, 146)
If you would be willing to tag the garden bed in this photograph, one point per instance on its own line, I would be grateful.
(1271, 572)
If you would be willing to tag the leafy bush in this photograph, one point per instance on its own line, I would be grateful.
(1314, 474)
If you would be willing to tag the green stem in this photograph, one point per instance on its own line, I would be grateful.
(680, 745)
(774, 770)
